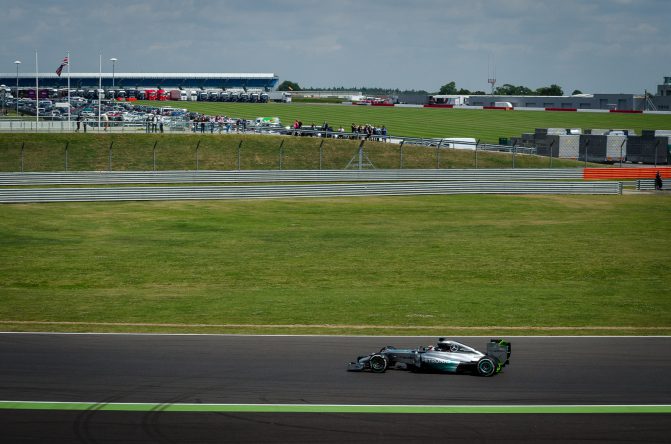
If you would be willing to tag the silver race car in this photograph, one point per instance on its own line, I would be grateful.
(446, 356)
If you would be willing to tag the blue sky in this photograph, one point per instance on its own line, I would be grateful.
(591, 45)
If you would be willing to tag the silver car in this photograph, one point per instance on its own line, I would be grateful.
(446, 356)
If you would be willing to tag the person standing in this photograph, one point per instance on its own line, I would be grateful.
(658, 181)
(79, 122)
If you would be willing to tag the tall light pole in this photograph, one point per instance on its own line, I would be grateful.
(113, 60)
(17, 63)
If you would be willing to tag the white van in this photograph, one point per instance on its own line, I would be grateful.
(506, 105)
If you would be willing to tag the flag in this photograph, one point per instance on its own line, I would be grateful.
(60, 68)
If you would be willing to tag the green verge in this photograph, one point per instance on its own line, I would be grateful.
(487, 125)
(311, 408)
(384, 265)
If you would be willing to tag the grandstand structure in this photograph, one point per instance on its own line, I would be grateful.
(265, 81)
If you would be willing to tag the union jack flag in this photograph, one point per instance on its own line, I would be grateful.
(60, 68)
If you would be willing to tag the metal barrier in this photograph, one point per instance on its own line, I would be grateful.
(645, 185)
(24, 195)
(262, 176)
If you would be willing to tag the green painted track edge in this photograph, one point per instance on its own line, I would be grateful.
(330, 408)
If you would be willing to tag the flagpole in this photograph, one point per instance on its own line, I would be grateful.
(69, 123)
(100, 86)
(37, 92)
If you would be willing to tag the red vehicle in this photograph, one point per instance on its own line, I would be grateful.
(150, 94)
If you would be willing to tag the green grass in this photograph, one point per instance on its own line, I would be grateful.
(420, 265)
(486, 125)
(91, 152)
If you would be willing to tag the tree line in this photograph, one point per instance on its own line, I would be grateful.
(506, 89)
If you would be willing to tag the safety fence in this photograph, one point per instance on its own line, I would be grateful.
(647, 185)
(265, 176)
(25, 195)
(626, 173)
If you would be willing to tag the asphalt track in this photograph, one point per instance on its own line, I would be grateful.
(295, 389)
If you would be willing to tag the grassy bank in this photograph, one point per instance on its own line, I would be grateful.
(91, 152)
(361, 265)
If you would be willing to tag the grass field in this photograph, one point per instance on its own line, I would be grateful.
(416, 265)
(487, 125)
(91, 152)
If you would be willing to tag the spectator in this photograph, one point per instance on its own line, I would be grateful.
(658, 181)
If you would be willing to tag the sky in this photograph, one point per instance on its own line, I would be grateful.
(596, 46)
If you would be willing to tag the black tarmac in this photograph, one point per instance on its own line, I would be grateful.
(311, 370)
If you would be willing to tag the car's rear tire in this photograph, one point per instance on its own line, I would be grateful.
(486, 366)
(378, 364)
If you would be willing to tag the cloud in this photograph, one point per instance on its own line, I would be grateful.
(392, 43)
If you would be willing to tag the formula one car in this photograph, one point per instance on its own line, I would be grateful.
(446, 356)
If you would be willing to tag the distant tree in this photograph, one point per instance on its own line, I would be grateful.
(576, 92)
(464, 92)
(478, 93)
(512, 90)
(450, 88)
(505, 90)
(288, 86)
(552, 90)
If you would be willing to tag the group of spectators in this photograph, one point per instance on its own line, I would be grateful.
(366, 132)
(204, 123)
(370, 132)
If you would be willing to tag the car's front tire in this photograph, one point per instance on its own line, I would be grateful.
(378, 364)
(486, 366)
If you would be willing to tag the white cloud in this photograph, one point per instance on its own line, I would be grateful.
(392, 43)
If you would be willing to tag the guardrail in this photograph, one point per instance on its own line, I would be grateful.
(24, 195)
(645, 185)
(263, 176)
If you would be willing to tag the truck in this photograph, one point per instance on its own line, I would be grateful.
(448, 99)
(279, 96)
(175, 94)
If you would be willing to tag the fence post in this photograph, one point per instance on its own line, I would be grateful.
(551, 145)
(477, 142)
(656, 146)
(23, 144)
(361, 155)
(281, 153)
(400, 149)
(239, 146)
(321, 154)
(66, 156)
(514, 152)
(586, 145)
(153, 156)
(110, 158)
(438, 154)
(197, 160)
(621, 147)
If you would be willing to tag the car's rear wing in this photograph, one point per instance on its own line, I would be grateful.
(500, 349)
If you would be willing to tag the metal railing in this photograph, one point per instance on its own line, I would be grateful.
(24, 195)
(645, 184)
(265, 176)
